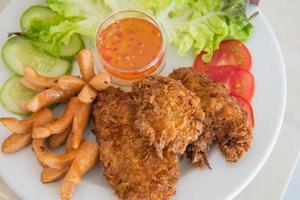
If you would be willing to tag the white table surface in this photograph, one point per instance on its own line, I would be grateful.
(292, 192)
(272, 180)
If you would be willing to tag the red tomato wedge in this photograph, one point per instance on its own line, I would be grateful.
(239, 81)
(247, 106)
(221, 74)
(199, 65)
(243, 84)
(230, 52)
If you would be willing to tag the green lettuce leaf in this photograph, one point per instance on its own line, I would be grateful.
(200, 25)
(78, 9)
(75, 17)
(190, 25)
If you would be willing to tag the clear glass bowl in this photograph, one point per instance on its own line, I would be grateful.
(125, 77)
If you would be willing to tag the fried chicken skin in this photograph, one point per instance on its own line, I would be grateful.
(226, 122)
(131, 166)
(169, 116)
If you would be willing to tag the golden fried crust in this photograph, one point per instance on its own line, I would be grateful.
(130, 166)
(225, 120)
(169, 116)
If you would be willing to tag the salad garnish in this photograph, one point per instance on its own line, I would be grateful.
(190, 25)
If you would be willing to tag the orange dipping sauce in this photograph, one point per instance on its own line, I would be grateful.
(131, 48)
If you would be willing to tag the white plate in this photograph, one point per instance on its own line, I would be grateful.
(22, 172)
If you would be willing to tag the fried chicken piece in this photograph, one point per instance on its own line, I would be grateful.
(169, 116)
(131, 166)
(226, 121)
(197, 151)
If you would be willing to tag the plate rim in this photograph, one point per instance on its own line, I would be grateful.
(255, 172)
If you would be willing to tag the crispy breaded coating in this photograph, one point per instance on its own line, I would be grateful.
(225, 120)
(169, 116)
(131, 167)
(197, 151)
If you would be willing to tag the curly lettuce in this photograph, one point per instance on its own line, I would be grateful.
(200, 25)
(190, 25)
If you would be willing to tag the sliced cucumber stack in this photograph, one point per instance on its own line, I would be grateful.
(46, 15)
(18, 52)
(13, 93)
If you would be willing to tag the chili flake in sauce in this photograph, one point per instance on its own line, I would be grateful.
(128, 45)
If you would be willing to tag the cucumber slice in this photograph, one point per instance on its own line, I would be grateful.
(45, 14)
(13, 93)
(36, 13)
(18, 52)
(71, 49)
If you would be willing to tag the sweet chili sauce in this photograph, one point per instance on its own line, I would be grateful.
(131, 48)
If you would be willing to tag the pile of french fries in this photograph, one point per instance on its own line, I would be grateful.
(43, 129)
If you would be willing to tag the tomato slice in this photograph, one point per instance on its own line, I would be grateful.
(247, 106)
(230, 52)
(221, 74)
(199, 65)
(240, 82)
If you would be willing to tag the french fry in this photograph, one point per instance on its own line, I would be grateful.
(68, 145)
(49, 159)
(71, 83)
(25, 126)
(49, 175)
(86, 158)
(23, 105)
(86, 64)
(16, 142)
(59, 161)
(38, 80)
(49, 97)
(61, 124)
(43, 117)
(87, 94)
(39, 149)
(57, 140)
(40, 133)
(100, 82)
(30, 85)
(80, 121)
(17, 126)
